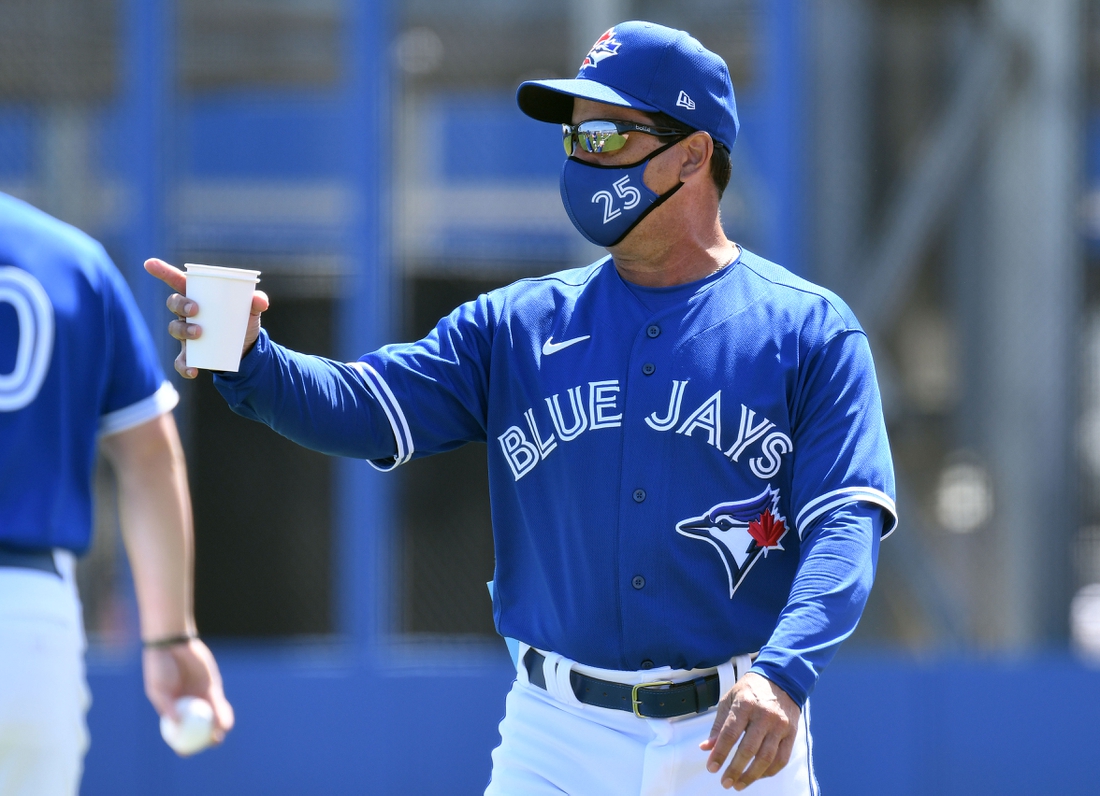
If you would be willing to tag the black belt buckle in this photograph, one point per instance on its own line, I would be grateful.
(636, 703)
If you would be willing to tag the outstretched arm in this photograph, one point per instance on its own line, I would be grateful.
(155, 514)
(310, 400)
(350, 409)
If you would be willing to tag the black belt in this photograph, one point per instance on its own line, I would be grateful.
(657, 700)
(28, 559)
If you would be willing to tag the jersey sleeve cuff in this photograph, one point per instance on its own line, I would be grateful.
(163, 400)
(254, 360)
(841, 497)
(795, 691)
(235, 387)
(398, 423)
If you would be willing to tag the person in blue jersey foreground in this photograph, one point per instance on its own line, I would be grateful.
(78, 371)
(689, 469)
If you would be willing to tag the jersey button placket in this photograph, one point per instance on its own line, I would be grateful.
(645, 390)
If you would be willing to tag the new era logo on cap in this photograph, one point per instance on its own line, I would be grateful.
(684, 101)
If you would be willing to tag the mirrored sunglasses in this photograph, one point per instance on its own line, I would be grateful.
(606, 135)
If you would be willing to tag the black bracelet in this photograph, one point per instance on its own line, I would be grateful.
(170, 641)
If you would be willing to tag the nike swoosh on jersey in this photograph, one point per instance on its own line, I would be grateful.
(550, 347)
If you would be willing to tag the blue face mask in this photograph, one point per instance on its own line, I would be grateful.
(606, 202)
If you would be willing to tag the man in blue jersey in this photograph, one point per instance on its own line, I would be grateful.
(689, 469)
(78, 371)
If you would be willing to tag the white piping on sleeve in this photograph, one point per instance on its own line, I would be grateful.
(840, 497)
(163, 400)
(385, 397)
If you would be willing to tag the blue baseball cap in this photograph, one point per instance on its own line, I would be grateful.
(648, 67)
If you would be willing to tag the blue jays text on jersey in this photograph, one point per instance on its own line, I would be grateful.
(658, 467)
(595, 406)
(76, 362)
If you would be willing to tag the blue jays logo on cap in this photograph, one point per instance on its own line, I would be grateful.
(741, 531)
(605, 47)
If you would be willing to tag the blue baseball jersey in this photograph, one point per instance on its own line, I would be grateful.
(674, 474)
(76, 362)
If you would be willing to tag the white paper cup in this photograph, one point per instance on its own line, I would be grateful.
(224, 296)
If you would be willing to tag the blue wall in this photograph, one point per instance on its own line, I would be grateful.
(890, 725)
(323, 722)
(311, 722)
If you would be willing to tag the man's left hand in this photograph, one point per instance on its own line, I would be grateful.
(186, 670)
(765, 719)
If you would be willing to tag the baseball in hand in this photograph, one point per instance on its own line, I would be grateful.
(195, 729)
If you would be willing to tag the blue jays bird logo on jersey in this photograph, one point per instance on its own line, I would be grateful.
(741, 531)
(605, 47)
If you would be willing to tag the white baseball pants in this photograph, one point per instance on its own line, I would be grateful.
(553, 744)
(43, 692)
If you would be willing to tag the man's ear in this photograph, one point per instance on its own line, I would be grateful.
(699, 148)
